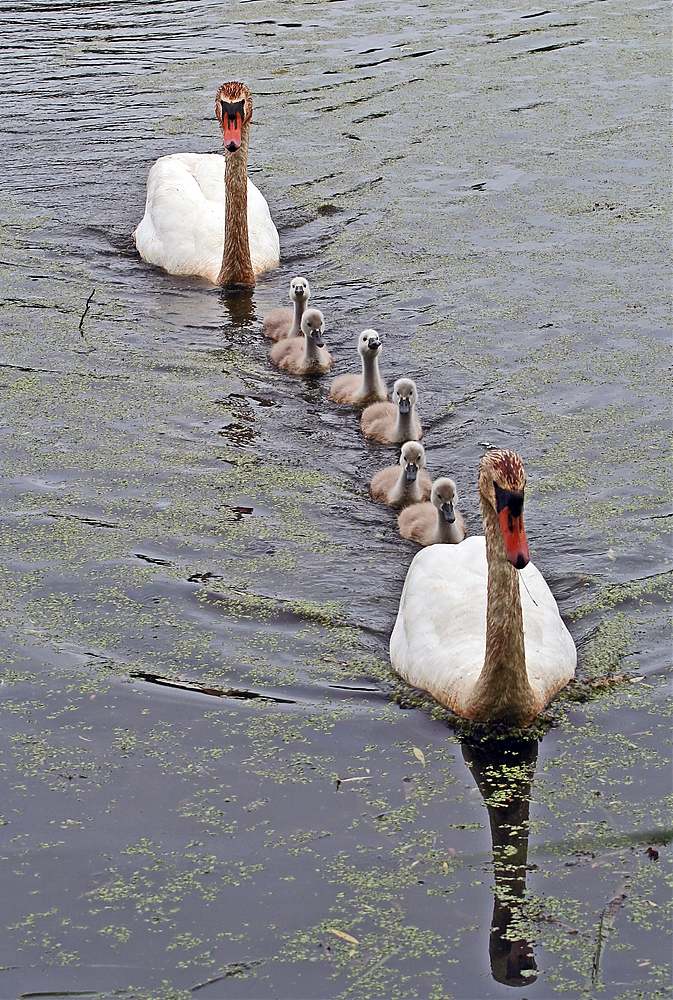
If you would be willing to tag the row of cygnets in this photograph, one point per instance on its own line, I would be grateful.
(429, 513)
(477, 626)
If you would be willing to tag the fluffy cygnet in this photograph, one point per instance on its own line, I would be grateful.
(393, 423)
(437, 521)
(283, 322)
(369, 387)
(405, 483)
(305, 355)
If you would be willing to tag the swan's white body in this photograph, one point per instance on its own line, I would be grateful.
(439, 640)
(182, 229)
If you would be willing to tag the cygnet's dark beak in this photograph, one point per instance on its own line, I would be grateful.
(373, 343)
(410, 472)
(317, 336)
(404, 404)
(448, 512)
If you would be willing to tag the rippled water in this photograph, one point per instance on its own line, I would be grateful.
(205, 776)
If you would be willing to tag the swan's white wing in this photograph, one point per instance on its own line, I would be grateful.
(551, 656)
(439, 639)
(182, 229)
(262, 234)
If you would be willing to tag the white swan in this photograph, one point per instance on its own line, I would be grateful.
(203, 216)
(478, 627)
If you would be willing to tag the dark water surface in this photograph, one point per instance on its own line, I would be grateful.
(487, 187)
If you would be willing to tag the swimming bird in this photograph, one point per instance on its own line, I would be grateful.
(404, 483)
(437, 521)
(306, 355)
(203, 216)
(393, 423)
(283, 322)
(369, 387)
(477, 626)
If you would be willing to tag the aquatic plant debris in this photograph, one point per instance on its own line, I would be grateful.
(343, 935)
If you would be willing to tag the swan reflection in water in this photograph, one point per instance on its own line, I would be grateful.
(239, 304)
(504, 777)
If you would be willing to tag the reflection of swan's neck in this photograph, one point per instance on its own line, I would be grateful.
(371, 379)
(505, 783)
(502, 690)
(299, 306)
(236, 264)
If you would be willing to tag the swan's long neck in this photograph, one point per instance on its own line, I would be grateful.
(299, 306)
(404, 425)
(371, 378)
(502, 690)
(311, 351)
(236, 264)
(447, 532)
(406, 491)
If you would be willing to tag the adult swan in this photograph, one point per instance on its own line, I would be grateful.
(478, 627)
(202, 215)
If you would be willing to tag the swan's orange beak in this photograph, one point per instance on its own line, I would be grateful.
(514, 537)
(231, 130)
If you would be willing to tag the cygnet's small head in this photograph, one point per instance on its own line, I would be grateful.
(300, 290)
(405, 395)
(369, 344)
(233, 107)
(444, 496)
(313, 326)
(412, 459)
(502, 482)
